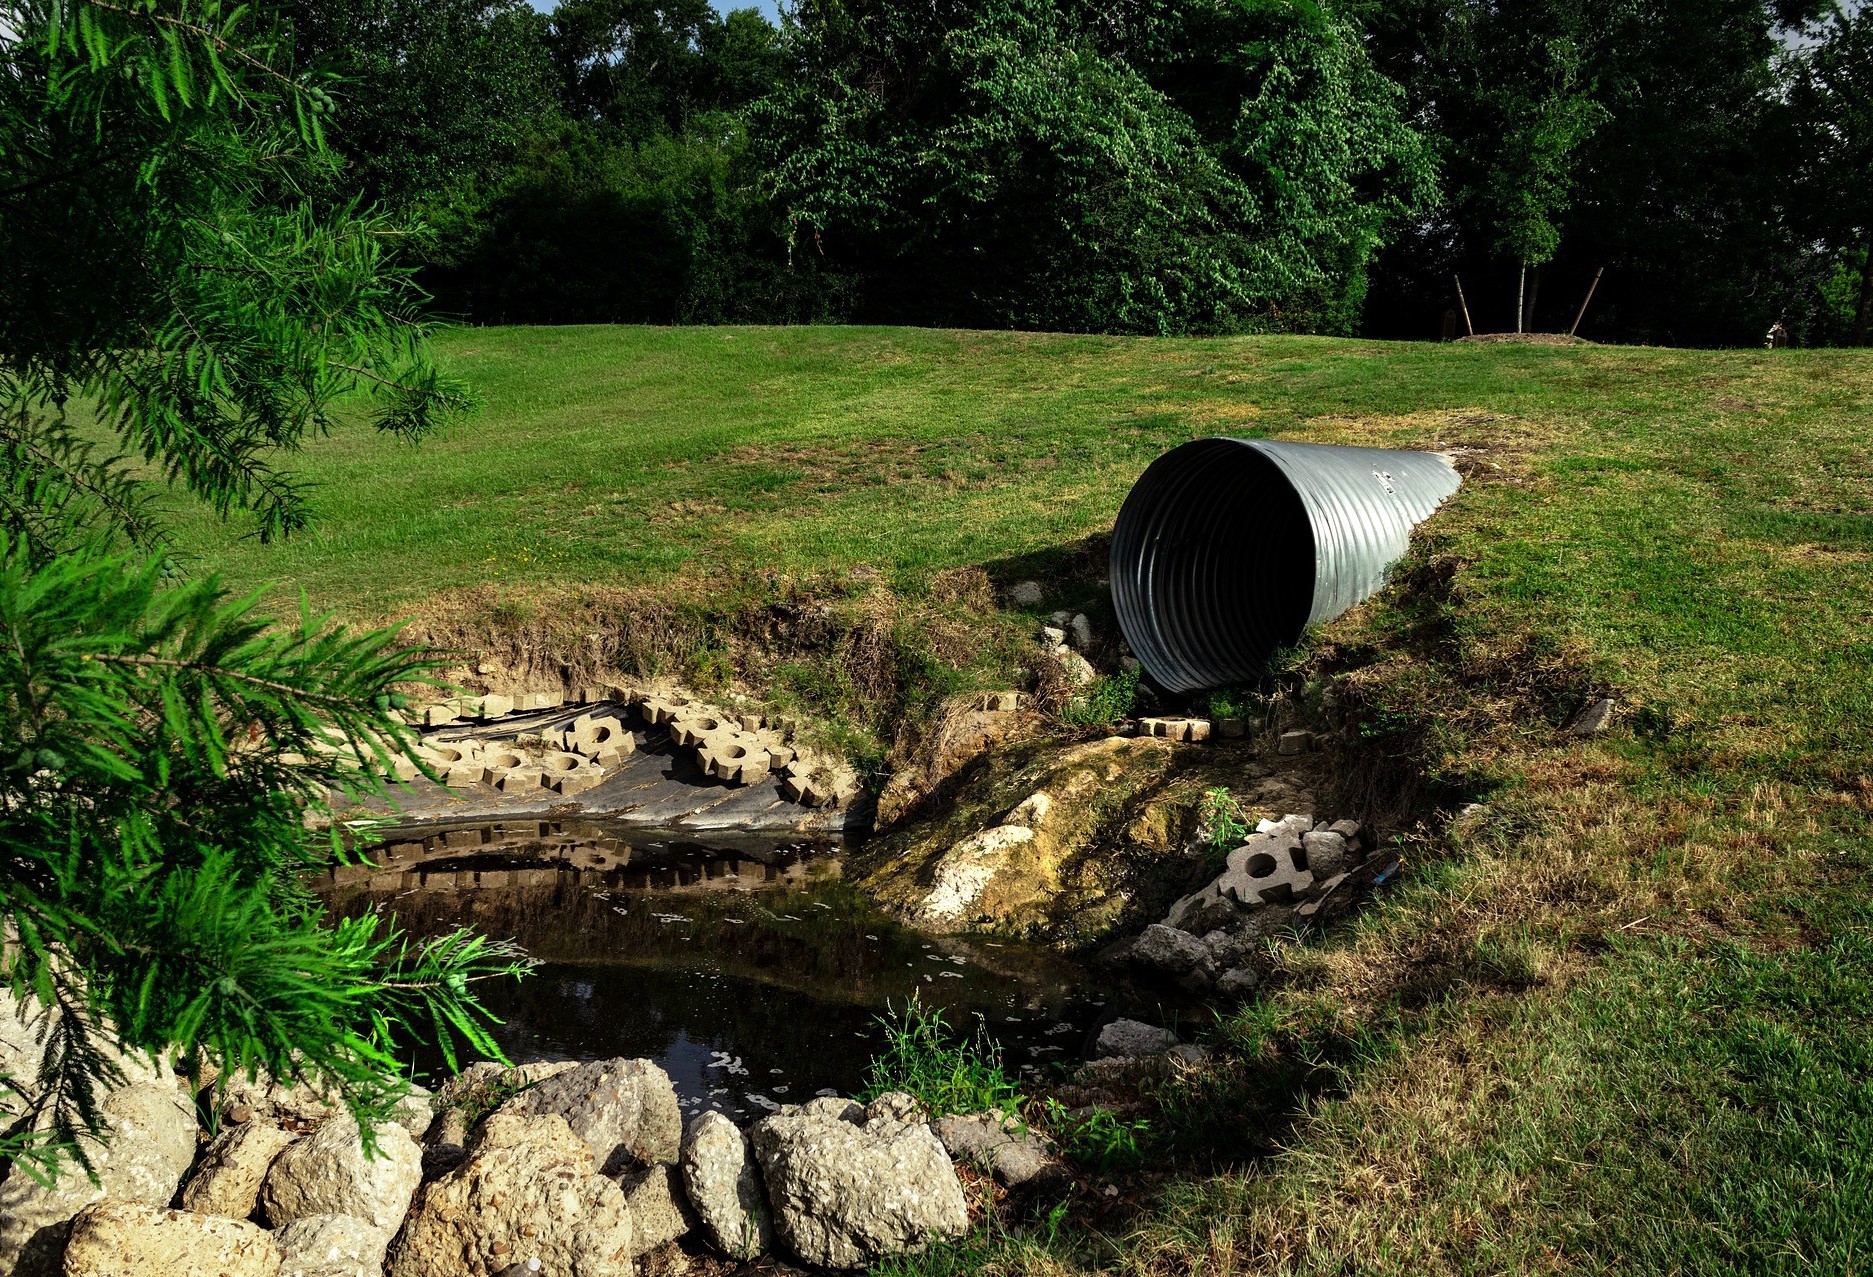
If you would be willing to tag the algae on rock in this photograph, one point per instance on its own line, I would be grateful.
(1059, 842)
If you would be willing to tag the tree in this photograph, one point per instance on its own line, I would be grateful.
(433, 98)
(1833, 104)
(175, 289)
(1683, 188)
(1142, 168)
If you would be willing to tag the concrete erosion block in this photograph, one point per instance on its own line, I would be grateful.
(691, 730)
(736, 757)
(1267, 869)
(493, 706)
(437, 715)
(539, 700)
(1298, 742)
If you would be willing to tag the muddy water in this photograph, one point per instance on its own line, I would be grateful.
(751, 972)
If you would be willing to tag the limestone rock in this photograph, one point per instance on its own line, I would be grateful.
(1026, 593)
(624, 1110)
(151, 1128)
(23, 1030)
(415, 1111)
(659, 1211)
(528, 1192)
(892, 1106)
(1326, 853)
(1238, 983)
(261, 1098)
(1174, 953)
(846, 1194)
(967, 869)
(1020, 1159)
(1080, 632)
(328, 1173)
(228, 1178)
(332, 1246)
(127, 1239)
(1074, 668)
(724, 1187)
(1128, 1039)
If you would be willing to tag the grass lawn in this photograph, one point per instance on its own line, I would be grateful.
(1617, 1016)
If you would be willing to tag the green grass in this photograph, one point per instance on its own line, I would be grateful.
(945, 1070)
(1614, 1020)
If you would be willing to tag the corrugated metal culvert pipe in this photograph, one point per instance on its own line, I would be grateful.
(1228, 549)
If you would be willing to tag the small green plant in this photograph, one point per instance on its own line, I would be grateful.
(947, 1072)
(1107, 701)
(1221, 821)
(1097, 1137)
(1234, 702)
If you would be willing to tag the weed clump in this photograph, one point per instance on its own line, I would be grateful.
(946, 1072)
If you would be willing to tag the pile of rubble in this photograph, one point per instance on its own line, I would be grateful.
(1283, 876)
(554, 1168)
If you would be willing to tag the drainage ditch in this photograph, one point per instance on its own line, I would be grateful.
(747, 968)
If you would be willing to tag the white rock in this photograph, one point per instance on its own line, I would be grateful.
(624, 1110)
(659, 1211)
(527, 1195)
(227, 1180)
(724, 1187)
(151, 1131)
(126, 1239)
(967, 868)
(845, 1194)
(328, 1173)
(332, 1246)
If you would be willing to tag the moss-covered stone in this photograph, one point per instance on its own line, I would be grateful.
(1062, 842)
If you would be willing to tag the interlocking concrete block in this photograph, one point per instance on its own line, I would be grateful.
(733, 756)
(1267, 869)
(436, 715)
(508, 770)
(568, 773)
(539, 700)
(601, 738)
(1294, 743)
(663, 709)
(691, 730)
(493, 706)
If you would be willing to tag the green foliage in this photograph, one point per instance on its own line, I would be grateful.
(1032, 165)
(1107, 701)
(163, 753)
(1097, 1137)
(166, 271)
(946, 1072)
(432, 98)
(1221, 819)
(1530, 181)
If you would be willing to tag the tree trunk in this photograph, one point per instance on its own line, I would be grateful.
(1863, 315)
(1534, 299)
(1521, 293)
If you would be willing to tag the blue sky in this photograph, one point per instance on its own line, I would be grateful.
(765, 6)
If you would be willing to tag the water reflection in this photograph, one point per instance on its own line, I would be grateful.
(751, 972)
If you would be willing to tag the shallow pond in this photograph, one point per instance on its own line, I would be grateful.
(749, 971)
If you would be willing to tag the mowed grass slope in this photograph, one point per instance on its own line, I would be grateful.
(1616, 1019)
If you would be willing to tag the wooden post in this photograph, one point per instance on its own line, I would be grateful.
(1579, 314)
(1449, 332)
(1468, 327)
(1521, 293)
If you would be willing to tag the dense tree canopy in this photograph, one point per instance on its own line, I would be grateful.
(1149, 166)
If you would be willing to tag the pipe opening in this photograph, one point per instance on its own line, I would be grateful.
(1228, 549)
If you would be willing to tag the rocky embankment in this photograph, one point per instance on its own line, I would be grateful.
(580, 1169)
